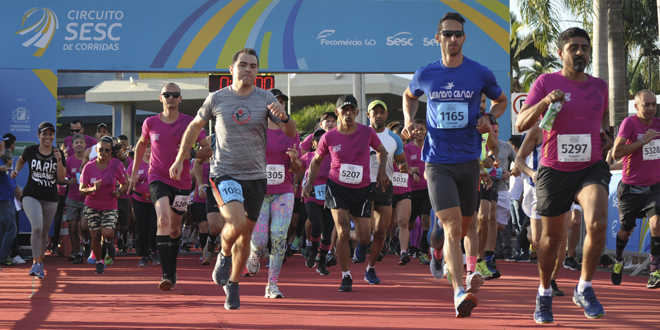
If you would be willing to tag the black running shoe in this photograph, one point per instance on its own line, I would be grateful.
(165, 284)
(322, 270)
(555, 289)
(233, 300)
(99, 268)
(572, 264)
(404, 258)
(78, 259)
(311, 259)
(346, 284)
(330, 260)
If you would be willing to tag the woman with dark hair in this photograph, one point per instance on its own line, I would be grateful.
(98, 183)
(47, 165)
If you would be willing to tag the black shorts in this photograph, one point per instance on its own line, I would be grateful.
(452, 185)
(159, 189)
(124, 209)
(491, 194)
(211, 203)
(397, 198)
(199, 212)
(420, 204)
(356, 200)
(253, 193)
(380, 197)
(556, 190)
(298, 205)
(637, 202)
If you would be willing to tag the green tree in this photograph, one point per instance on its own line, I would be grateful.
(307, 117)
(528, 75)
(60, 108)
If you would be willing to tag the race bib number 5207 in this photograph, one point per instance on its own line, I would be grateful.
(350, 173)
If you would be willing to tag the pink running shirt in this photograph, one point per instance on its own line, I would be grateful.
(141, 189)
(279, 162)
(321, 178)
(636, 170)
(103, 199)
(73, 172)
(416, 161)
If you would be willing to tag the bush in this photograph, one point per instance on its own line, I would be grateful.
(307, 117)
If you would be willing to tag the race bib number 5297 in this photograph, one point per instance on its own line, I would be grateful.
(574, 147)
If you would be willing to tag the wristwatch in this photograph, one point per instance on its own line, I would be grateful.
(287, 119)
(492, 157)
(193, 153)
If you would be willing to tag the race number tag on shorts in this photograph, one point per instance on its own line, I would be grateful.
(574, 147)
(400, 179)
(180, 202)
(350, 174)
(651, 150)
(452, 115)
(230, 190)
(319, 192)
(275, 174)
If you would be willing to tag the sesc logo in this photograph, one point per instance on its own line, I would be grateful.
(400, 39)
(43, 29)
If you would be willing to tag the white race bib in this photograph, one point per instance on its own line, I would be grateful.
(452, 115)
(574, 147)
(400, 179)
(275, 174)
(180, 202)
(350, 174)
(651, 150)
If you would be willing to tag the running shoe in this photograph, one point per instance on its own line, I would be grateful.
(233, 300)
(19, 260)
(346, 284)
(492, 267)
(34, 271)
(208, 251)
(311, 259)
(253, 265)
(322, 270)
(8, 262)
(522, 257)
(41, 271)
(72, 256)
(272, 291)
(654, 280)
(404, 258)
(436, 266)
(482, 268)
(165, 284)
(185, 247)
(381, 256)
(143, 262)
(473, 282)
(99, 268)
(108, 260)
(424, 259)
(605, 261)
(330, 260)
(87, 250)
(555, 289)
(464, 302)
(629, 265)
(587, 300)
(78, 259)
(221, 274)
(370, 276)
(617, 275)
(155, 258)
(570, 263)
(445, 268)
(91, 259)
(296, 244)
(360, 254)
(543, 311)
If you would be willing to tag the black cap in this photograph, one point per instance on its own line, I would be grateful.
(318, 133)
(278, 92)
(46, 125)
(346, 99)
(102, 125)
(328, 114)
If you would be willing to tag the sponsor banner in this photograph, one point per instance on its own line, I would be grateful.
(640, 240)
(289, 35)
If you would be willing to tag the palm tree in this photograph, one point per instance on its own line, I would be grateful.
(530, 74)
(307, 117)
(522, 48)
(616, 65)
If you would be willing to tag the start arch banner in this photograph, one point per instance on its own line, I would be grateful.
(380, 36)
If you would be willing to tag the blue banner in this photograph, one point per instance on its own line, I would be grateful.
(640, 240)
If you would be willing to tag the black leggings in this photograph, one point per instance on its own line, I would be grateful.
(322, 222)
(146, 223)
(58, 220)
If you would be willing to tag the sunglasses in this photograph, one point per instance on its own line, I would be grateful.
(104, 150)
(75, 131)
(173, 94)
(450, 33)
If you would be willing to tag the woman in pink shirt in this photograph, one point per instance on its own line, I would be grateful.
(98, 183)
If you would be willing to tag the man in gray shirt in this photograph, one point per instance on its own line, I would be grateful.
(505, 157)
(238, 170)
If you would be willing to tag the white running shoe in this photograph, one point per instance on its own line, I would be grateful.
(19, 260)
(253, 264)
(272, 291)
(474, 281)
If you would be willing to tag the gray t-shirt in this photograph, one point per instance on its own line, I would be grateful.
(240, 129)
(506, 156)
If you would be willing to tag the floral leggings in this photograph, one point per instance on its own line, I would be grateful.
(277, 208)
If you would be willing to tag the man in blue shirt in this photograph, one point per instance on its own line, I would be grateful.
(454, 85)
(7, 209)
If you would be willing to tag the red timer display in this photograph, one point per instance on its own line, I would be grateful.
(219, 81)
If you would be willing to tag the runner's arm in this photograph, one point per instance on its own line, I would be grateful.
(498, 106)
(410, 105)
(525, 149)
(314, 167)
(189, 137)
